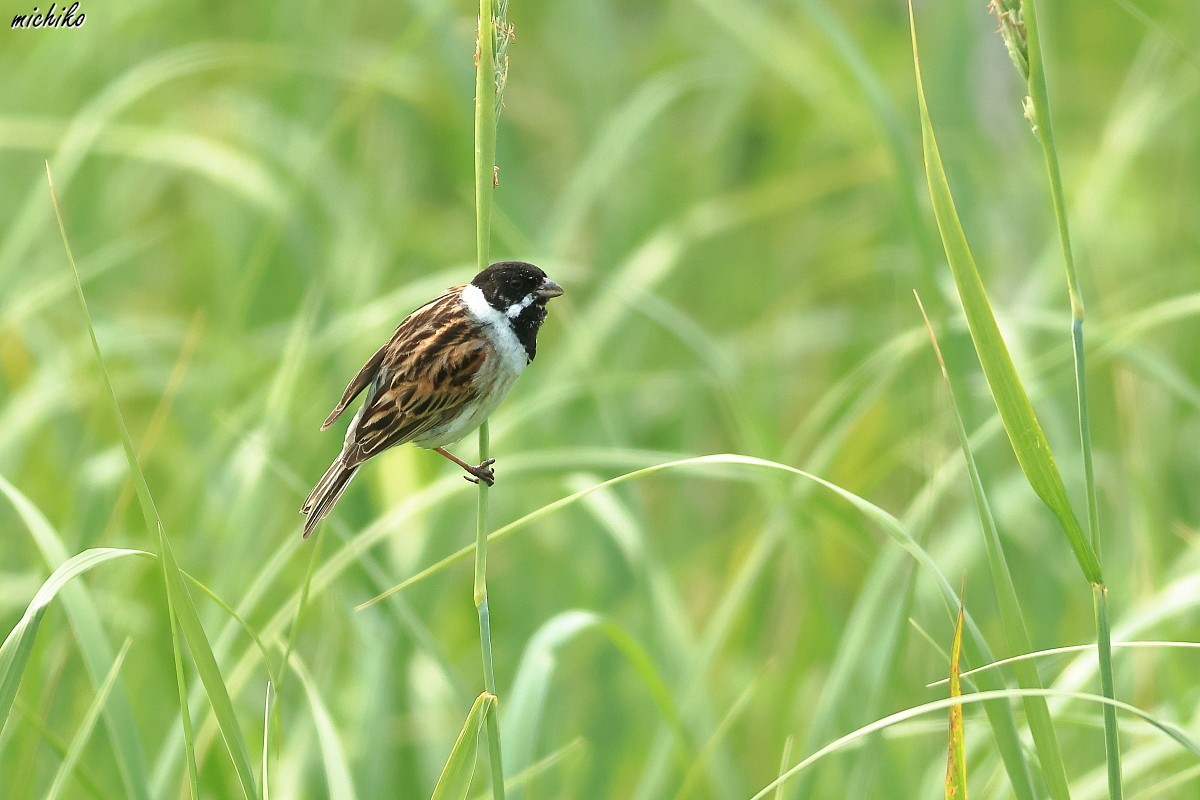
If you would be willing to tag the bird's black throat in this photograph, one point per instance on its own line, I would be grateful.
(526, 324)
(519, 291)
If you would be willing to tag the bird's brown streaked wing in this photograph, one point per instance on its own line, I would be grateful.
(357, 384)
(429, 385)
(414, 323)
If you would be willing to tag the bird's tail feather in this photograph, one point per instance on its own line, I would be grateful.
(326, 493)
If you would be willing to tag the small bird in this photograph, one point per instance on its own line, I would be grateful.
(447, 367)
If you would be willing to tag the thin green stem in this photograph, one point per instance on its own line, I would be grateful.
(481, 533)
(1040, 99)
(485, 133)
(485, 160)
(485, 623)
(1040, 102)
(1112, 744)
(1085, 433)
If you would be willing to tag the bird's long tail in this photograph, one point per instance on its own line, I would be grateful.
(326, 493)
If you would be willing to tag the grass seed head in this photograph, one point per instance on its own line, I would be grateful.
(1012, 29)
(1016, 41)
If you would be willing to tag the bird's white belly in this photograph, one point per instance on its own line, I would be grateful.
(505, 362)
(468, 420)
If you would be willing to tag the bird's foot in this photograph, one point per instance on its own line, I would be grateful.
(482, 472)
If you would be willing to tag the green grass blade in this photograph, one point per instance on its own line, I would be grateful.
(179, 602)
(1073, 648)
(97, 653)
(266, 749)
(1112, 742)
(674, 645)
(80, 740)
(14, 653)
(193, 633)
(1037, 712)
(254, 635)
(1002, 722)
(697, 462)
(784, 760)
(455, 780)
(185, 711)
(1040, 103)
(1173, 732)
(1020, 422)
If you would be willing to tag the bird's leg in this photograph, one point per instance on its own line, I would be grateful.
(481, 472)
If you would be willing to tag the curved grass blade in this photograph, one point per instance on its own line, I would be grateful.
(94, 647)
(192, 630)
(1172, 731)
(14, 653)
(1000, 717)
(272, 678)
(1072, 648)
(455, 780)
(179, 602)
(1016, 412)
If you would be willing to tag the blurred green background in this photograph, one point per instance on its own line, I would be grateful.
(732, 195)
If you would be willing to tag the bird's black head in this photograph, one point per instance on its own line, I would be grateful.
(519, 291)
(508, 283)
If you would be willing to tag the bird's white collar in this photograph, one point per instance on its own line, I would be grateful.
(500, 324)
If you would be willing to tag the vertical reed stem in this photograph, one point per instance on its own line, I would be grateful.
(1040, 103)
(485, 159)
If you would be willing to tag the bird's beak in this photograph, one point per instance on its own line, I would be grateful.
(549, 289)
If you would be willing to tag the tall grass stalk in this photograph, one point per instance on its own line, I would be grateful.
(185, 622)
(1037, 712)
(488, 81)
(1024, 431)
(1019, 26)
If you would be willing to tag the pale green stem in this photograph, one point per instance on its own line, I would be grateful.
(485, 625)
(1039, 98)
(1112, 744)
(485, 133)
(485, 160)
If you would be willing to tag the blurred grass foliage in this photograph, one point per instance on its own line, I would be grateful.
(732, 195)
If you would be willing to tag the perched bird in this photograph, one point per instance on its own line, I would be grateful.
(446, 368)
